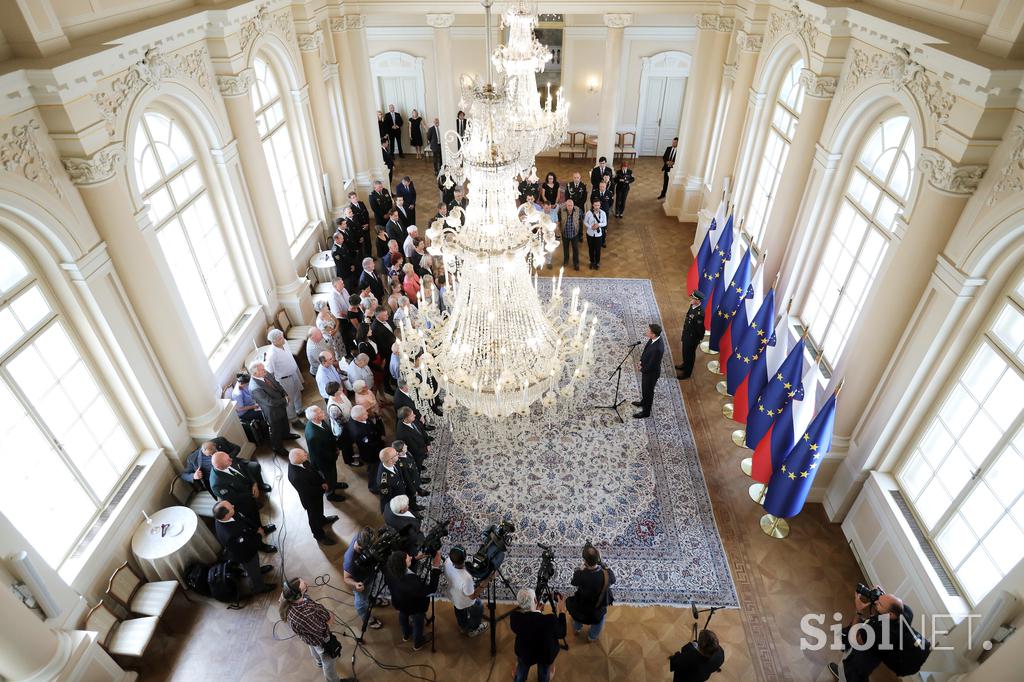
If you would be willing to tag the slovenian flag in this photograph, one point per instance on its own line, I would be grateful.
(707, 244)
(727, 304)
(746, 351)
(715, 270)
(789, 486)
(741, 319)
(776, 444)
(776, 394)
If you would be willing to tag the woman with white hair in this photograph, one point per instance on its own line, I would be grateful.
(339, 411)
(411, 283)
(405, 311)
(537, 634)
(365, 397)
(325, 319)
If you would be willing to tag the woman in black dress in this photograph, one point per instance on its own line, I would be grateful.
(416, 133)
(549, 196)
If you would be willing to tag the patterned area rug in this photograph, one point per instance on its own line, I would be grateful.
(635, 489)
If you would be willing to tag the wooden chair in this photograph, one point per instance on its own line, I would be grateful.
(568, 148)
(199, 501)
(121, 637)
(627, 145)
(138, 596)
(295, 335)
(579, 145)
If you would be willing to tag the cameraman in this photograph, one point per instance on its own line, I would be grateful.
(311, 622)
(593, 597)
(410, 595)
(537, 634)
(359, 579)
(465, 596)
(697, 661)
(889, 621)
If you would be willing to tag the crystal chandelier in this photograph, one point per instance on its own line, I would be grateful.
(497, 349)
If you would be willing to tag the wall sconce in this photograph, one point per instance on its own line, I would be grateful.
(593, 85)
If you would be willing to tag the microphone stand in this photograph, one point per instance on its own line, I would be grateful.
(617, 373)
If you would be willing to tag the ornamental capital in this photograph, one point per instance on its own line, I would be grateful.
(944, 176)
(618, 20)
(715, 22)
(236, 86)
(311, 42)
(98, 168)
(440, 20)
(822, 87)
(748, 42)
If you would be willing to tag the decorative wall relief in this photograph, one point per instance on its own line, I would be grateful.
(20, 154)
(1011, 177)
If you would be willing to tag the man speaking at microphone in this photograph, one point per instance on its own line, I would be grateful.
(650, 369)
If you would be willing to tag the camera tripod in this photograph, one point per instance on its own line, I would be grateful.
(696, 617)
(547, 595)
(617, 373)
(492, 606)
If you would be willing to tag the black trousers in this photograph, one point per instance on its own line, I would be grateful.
(435, 155)
(315, 515)
(620, 200)
(573, 244)
(647, 382)
(594, 246)
(252, 468)
(329, 469)
(279, 428)
(664, 183)
(689, 355)
(395, 141)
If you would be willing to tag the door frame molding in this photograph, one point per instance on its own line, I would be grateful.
(671, 63)
(394, 63)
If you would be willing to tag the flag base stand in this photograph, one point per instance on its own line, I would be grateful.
(747, 465)
(721, 386)
(774, 526)
(713, 367)
(739, 437)
(727, 410)
(757, 492)
(705, 347)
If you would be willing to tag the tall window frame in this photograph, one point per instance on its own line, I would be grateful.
(176, 187)
(280, 148)
(876, 192)
(963, 474)
(789, 100)
(53, 407)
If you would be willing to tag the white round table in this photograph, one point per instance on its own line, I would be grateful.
(323, 267)
(167, 557)
(256, 354)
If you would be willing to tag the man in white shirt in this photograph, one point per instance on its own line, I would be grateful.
(464, 593)
(327, 373)
(358, 369)
(338, 300)
(409, 245)
(282, 365)
(596, 220)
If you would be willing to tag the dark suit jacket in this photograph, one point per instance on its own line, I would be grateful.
(360, 213)
(197, 460)
(434, 139)
(596, 176)
(271, 398)
(414, 439)
(409, 594)
(667, 156)
(235, 489)
(407, 193)
(460, 126)
(381, 203)
(393, 118)
(650, 358)
(389, 158)
(408, 527)
(308, 483)
(322, 447)
(578, 194)
(366, 438)
(383, 127)
(373, 281)
(239, 537)
(403, 400)
(537, 635)
(623, 180)
(395, 230)
(383, 337)
(689, 665)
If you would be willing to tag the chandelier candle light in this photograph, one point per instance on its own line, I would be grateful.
(497, 349)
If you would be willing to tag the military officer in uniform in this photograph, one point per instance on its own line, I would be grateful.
(391, 483)
(693, 332)
(411, 473)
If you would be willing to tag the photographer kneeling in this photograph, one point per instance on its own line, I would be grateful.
(410, 595)
(589, 605)
(882, 633)
(537, 634)
(311, 622)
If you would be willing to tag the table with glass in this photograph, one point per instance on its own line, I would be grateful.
(168, 541)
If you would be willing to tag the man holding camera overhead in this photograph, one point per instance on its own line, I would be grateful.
(465, 593)
(589, 606)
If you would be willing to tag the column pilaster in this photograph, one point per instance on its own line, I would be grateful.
(447, 94)
(27, 645)
(292, 291)
(310, 46)
(616, 24)
(818, 92)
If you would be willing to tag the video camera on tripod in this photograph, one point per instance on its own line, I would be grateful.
(491, 554)
(545, 572)
(370, 558)
(432, 542)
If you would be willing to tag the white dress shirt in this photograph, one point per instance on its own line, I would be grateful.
(338, 302)
(280, 363)
(595, 222)
(355, 373)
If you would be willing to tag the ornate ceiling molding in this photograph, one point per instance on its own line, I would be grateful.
(714, 22)
(822, 87)
(618, 20)
(440, 20)
(1011, 177)
(236, 86)
(98, 168)
(901, 72)
(263, 22)
(748, 42)
(792, 21)
(943, 175)
(20, 154)
(729, 72)
(311, 42)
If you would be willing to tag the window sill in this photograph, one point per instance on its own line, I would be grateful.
(230, 354)
(301, 243)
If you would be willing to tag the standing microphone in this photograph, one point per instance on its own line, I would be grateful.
(635, 344)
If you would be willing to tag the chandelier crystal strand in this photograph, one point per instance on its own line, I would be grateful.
(498, 349)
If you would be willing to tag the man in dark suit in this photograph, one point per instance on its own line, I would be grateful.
(693, 332)
(537, 633)
(361, 219)
(623, 179)
(390, 481)
(407, 191)
(382, 126)
(411, 434)
(381, 202)
(650, 369)
(404, 215)
(310, 486)
(394, 228)
(460, 126)
(410, 595)
(383, 334)
(243, 541)
(199, 464)
(602, 171)
(434, 140)
(323, 451)
(234, 485)
(368, 279)
(402, 399)
(399, 515)
(576, 190)
(389, 160)
(395, 121)
(413, 472)
(273, 402)
(369, 442)
(668, 160)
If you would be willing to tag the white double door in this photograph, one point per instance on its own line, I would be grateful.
(403, 92)
(662, 108)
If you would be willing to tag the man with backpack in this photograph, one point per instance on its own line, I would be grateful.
(589, 606)
(242, 540)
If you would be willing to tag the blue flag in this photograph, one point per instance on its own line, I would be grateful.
(779, 391)
(747, 342)
(788, 488)
(712, 270)
(730, 300)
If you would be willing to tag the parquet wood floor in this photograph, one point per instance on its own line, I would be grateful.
(777, 581)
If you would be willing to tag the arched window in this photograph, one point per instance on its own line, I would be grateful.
(781, 128)
(271, 120)
(73, 449)
(172, 183)
(876, 191)
(964, 475)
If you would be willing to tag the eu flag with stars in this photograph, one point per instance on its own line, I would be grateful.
(788, 487)
(713, 269)
(730, 300)
(748, 346)
(776, 394)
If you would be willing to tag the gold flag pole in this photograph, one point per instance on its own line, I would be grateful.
(757, 491)
(775, 526)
